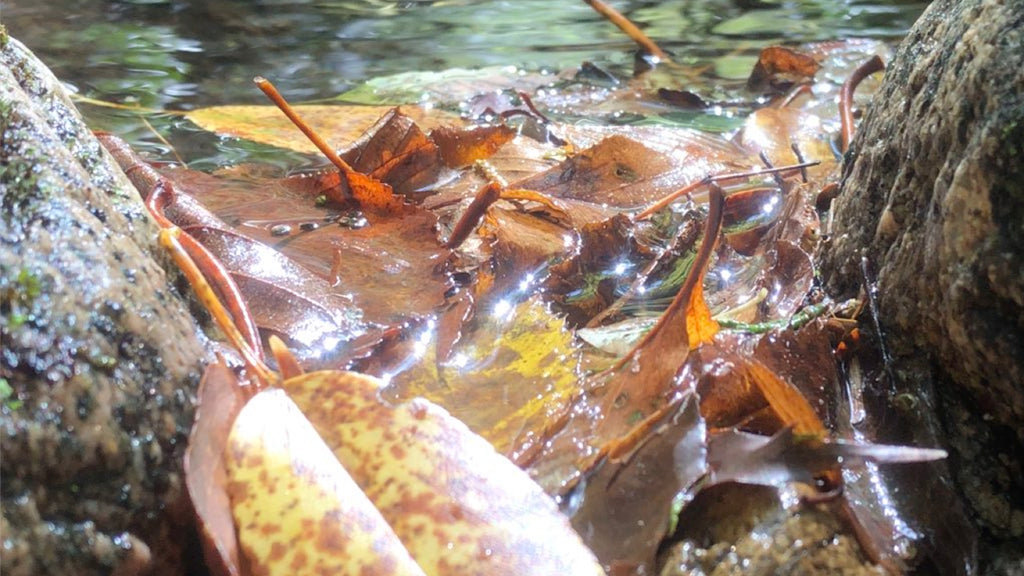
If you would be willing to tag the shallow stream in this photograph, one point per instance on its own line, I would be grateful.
(185, 54)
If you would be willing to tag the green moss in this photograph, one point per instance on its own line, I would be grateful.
(28, 286)
(6, 395)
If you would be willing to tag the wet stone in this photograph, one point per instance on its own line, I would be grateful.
(932, 197)
(102, 369)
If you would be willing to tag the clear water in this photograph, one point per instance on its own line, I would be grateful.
(184, 54)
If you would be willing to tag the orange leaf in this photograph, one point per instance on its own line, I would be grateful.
(220, 399)
(779, 64)
(791, 406)
(700, 326)
(461, 147)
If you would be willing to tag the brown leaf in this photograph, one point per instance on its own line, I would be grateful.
(396, 152)
(734, 456)
(462, 147)
(618, 171)
(377, 267)
(779, 66)
(644, 381)
(682, 99)
(626, 501)
(220, 399)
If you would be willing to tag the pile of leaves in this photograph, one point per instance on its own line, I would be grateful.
(626, 311)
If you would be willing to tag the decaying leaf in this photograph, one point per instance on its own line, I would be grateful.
(636, 437)
(397, 152)
(206, 476)
(623, 507)
(735, 456)
(463, 147)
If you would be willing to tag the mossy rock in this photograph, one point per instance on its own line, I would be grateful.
(100, 358)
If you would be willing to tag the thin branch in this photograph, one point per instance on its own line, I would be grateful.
(630, 29)
(846, 98)
(315, 138)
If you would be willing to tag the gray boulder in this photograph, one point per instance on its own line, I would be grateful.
(100, 356)
(932, 195)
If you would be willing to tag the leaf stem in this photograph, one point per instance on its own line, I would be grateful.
(630, 29)
(268, 88)
(694, 186)
(846, 98)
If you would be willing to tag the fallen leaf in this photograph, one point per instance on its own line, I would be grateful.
(397, 152)
(778, 66)
(518, 352)
(295, 507)
(459, 506)
(787, 456)
(461, 147)
(618, 171)
(340, 125)
(206, 477)
(623, 507)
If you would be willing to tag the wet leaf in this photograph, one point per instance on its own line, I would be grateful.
(618, 171)
(296, 508)
(397, 152)
(377, 267)
(775, 131)
(461, 147)
(624, 506)
(519, 353)
(340, 125)
(778, 67)
(787, 456)
(639, 385)
(206, 477)
(458, 505)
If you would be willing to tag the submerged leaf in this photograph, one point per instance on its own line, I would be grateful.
(296, 509)
(618, 171)
(521, 354)
(735, 456)
(624, 505)
(459, 506)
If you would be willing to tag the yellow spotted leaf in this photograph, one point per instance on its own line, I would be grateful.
(458, 506)
(339, 125)
(295, 508)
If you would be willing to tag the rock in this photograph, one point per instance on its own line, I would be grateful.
(737, 530)
(932, 195)
(100, 358)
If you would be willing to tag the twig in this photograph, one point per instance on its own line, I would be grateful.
(630, 29)
(689, 188)
(846, 98)
(315, 138)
